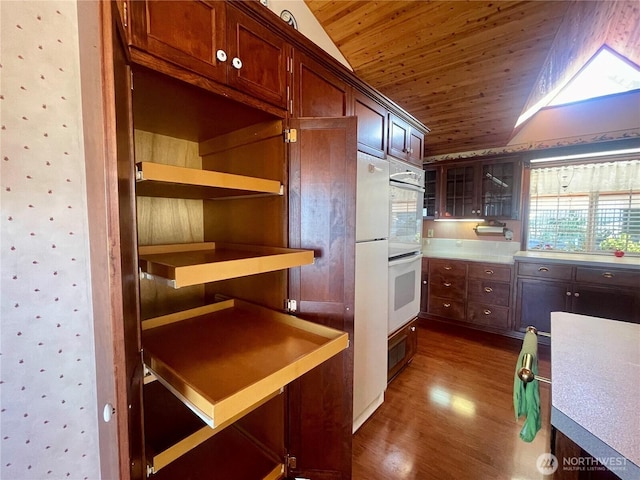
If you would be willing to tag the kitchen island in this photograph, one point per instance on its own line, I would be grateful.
(595, 369)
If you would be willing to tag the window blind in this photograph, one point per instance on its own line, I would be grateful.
(585, 207)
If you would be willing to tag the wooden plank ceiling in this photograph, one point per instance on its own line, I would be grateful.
(468, 70)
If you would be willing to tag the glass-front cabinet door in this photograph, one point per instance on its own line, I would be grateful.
(498, 186)
(460, 192)
(486, 189)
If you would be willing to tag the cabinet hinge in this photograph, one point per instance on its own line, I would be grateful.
(291, 135)
(125, 12)
(291, 305)
(290, 463)
(131, 76)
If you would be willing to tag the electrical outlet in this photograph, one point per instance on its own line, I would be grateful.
(430, 233)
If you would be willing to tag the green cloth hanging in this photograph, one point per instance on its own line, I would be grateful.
(526, 396)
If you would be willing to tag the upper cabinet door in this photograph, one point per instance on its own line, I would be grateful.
(317, 92)
(416, 146)
(257, 59)
(188, 33)
(405, 142)
(372, 125)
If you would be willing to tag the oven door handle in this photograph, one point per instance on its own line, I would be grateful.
(406, 186)
(404, 260)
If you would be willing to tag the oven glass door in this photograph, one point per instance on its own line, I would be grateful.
(404, 290)
(405, 219)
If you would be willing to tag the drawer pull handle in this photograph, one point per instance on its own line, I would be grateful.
(489, 272)
(608, 275)
(446, 305)
(543, 269)
(487, 311)
(447, 284)
(448, 267)
(488, 289)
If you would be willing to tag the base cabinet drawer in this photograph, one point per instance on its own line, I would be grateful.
(608, 277)
(492, 293)
(447, 308)
(545, 270)
(488, 315)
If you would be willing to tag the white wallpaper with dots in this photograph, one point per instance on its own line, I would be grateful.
(48, 415)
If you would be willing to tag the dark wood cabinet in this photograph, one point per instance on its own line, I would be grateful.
(403, 345)
(545, 287)
(404, 141)
(489, 295)
(431, 204)
(217, 41)
(486, 189)
(317, 92)
(257, 59)
(190, 34)
(322, 200)
(216, 86)
(372, 125)
(472, 293)
(447, 288)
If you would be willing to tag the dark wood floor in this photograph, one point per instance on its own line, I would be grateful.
(449, 415)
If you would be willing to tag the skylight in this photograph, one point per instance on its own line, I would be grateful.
(605, 73)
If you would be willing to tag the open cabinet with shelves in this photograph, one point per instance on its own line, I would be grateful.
(213, 258)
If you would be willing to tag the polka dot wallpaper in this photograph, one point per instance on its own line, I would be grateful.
(48, 414)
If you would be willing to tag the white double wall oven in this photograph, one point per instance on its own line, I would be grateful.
(406, 192)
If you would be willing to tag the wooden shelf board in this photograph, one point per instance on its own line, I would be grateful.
(160, 180)
(192, 264)
(224, 456)
(225, 362)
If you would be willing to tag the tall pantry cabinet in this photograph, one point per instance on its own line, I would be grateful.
(219, 380)
(232, 236)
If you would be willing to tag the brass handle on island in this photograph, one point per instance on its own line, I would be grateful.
(488, 289)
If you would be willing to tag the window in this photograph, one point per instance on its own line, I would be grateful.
(586, 207)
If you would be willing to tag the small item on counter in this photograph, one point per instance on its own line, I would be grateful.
(619, 253)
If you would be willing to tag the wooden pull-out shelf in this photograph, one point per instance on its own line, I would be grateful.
(192, 264)
(159, 180)
(226, 359)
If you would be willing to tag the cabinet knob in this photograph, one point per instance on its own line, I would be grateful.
(447, 284)
(543, 269)
(488, 289)
(486, 311)
(568, 294)
(424, 282)
(576, 294)
(489, 272)
(413, 329)
(446, 305)
(221, 55)
(237, 63)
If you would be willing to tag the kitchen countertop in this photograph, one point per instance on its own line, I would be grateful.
(469, 256)
(486, 251)
(594, 371)
(580, 259)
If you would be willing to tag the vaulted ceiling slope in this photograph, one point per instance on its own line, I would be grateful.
(468, 70)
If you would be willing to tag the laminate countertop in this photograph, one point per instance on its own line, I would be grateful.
(609, 261)
(595, 369)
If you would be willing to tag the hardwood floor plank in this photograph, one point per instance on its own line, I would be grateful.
(449, 415)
